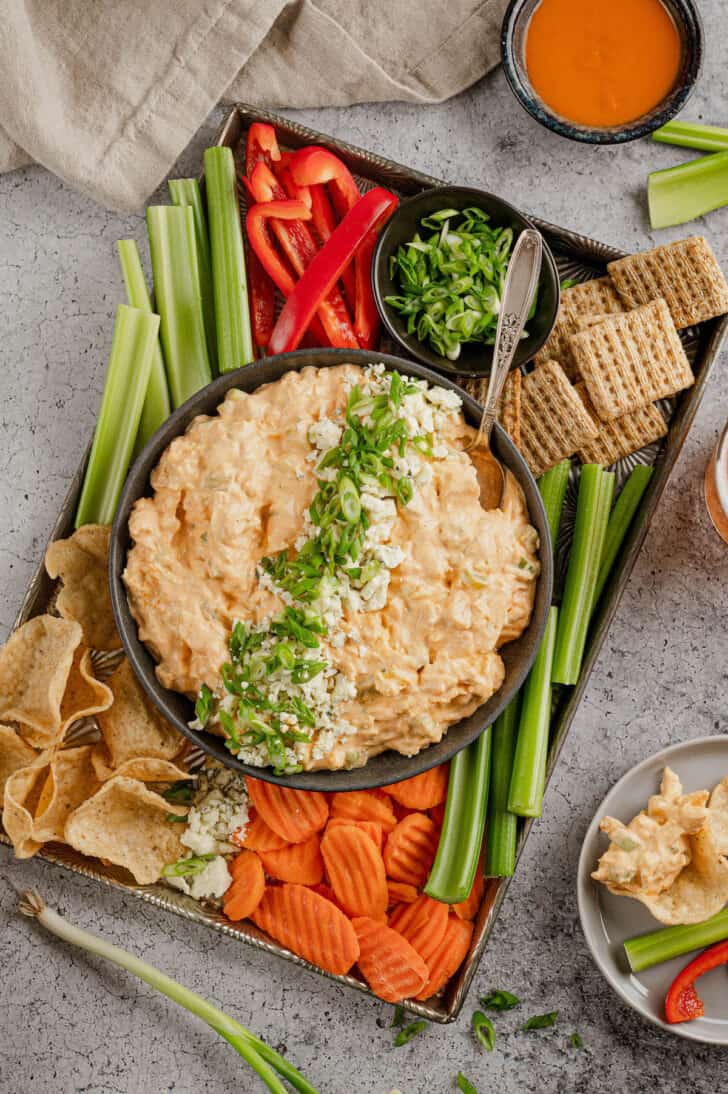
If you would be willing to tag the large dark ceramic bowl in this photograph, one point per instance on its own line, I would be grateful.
(513, 49)
(177, 709)
(475, 358)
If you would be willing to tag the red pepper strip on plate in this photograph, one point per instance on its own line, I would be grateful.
(283, 174)
(313, 165)
(370, 212)
(263, 248)
(324, 218)
(683, 1002)
(299, 247)
(261, 147)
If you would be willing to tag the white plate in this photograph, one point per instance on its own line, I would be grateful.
(608, 920)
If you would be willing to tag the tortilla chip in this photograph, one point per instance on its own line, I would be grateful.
(701, 889)
(80, 562)
(22, 793)
(718, 816)
(70, 781)
(125, 823)
(84, 694)
(144, 769)
(131, 727)
(14, 755)
(35, 664)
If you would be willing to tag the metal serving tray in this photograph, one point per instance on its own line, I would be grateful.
(577, 257)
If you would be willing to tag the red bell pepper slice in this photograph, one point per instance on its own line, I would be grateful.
(261, 146)
(313, 165)
(299, 247)
(262, 299)
(370, 212)
(367, 323)
(683, 1002)
(256, 227)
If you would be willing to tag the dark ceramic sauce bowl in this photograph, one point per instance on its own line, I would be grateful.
(475, 358)
(513, 49)
(177, 709)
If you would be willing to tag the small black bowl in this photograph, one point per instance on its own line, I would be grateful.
(513, 50)
(475, 358)
(177, 709)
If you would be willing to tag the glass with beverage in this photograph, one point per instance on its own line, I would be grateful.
(716, 486)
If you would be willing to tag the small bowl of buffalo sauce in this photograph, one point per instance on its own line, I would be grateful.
(602, 71)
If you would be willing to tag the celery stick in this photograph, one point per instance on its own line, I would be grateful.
(552, 487)
(620, 519)
(157, 407)
(528, 777)
(187, 192)
(650, 949)
(125, 386)
(708, 138)
(177, 296)
(232, 314)
(679, 194)
(453, 870)
(500, 845)
(592, 510)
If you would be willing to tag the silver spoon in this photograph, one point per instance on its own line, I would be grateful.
(518, 290)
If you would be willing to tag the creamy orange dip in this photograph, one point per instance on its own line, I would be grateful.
(408, 653)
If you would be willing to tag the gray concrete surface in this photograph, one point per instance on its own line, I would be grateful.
(72, 1024)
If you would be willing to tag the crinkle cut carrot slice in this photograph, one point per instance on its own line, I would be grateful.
(364, 805)
(298, 862)
(309, 925)
(411, 848)
(390, 965)
(257, 836)
(355, 870)
(449, 955)
(423, 791)
(247, 888)
(372, 828)
(401, 893)
(423, 924)
(292, 814)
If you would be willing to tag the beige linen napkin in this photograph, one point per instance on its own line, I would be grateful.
(107, 93)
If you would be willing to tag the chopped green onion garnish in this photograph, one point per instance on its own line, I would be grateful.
(398, 1016)
(187, 867)
(575, 1041)
(464, 1085)
(541, 1021)
(406, 1034)
(499, 1000)
(484, 1030)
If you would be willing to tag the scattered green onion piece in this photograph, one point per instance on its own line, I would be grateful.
(176, 818)
(679, 194)
(650, 949)
(541, 1021)
(707, 138)
(181, 791)
(500, 841)
(453, 870)
(187, 867)
(406, 1034)
(575, 1041)
(177, 296)
(187, 192)
(398, 1016)
(484, 1030)
(157, 407)
(349, 500)
(254, 1051)
(125, 387)
(500, 1000)
(620, 520)
(465, 1085)
(552, 488)
(592, 514)
(528, 777)
(232, 314)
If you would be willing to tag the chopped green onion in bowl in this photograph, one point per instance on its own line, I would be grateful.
(451, 277)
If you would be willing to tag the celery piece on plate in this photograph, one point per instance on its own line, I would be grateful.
(187, 192)
(650, 949)
(177, 296)
(157, 407)
(552, 488)
(229, 280)
(125, 387)
(708, 138)
(500, 844)
(620, 520)
(528, 776)
(679, 194)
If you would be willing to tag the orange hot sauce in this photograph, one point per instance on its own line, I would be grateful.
(602, 62)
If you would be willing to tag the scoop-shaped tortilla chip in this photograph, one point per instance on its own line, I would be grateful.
(125, 823)
(146, 769)
(81, 562)
(84, 694)
(700, 890)
(22, 793)
(70, 781)
(14, 755)
(131, 727)
(35, 664)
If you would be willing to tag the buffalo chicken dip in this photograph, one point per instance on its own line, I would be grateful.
(315, 570)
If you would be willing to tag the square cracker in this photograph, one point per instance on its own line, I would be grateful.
(622, 436)
(509, 406)
(685, 274)
(554, 420)
(630, 360)
(590, 297)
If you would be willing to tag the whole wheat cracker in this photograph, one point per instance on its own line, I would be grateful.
(685, 274)
(509, 404)
(622, 436)
(630, 360)
(554, 420)
(586, 298)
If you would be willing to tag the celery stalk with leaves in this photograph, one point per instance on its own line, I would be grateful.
(125, 387)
